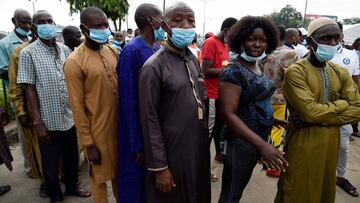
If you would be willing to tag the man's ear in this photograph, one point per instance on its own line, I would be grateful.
(310, 41)
(226, 32)
(33, 30)
(83, 29)
(166, 27)
(150, 21)
(13, 20)
(33, 27)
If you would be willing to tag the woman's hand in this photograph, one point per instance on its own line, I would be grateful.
(273, 158)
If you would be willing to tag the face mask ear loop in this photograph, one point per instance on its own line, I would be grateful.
(315, 43)
(85, 26)
(88, 35)
(170, 38)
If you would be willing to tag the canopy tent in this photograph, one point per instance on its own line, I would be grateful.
(303, 31)
(351, 33)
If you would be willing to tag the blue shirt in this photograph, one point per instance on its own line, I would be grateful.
(7, 45)
(40, 66)
(131, 59)
(255, 108)
(131, 177)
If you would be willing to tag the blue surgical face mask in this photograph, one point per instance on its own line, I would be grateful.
(117, 42)
(22, 32)
(46, 31)
(182, 37)
(159, 34)
(251, 58)
(325, 52)
(99, 35)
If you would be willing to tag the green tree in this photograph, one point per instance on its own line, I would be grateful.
(116, 10)
(351, 21)
(288, 17)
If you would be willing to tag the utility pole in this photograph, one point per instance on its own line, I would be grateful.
(204, 19)
(127, 22)
(306, 3)
(33, 4)
(205, 1)
(164, 6)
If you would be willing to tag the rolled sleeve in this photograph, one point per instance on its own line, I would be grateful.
(4, 58)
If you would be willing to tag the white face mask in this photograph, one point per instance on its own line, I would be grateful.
(251, 58)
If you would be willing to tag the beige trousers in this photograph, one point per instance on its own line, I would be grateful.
(99, 191)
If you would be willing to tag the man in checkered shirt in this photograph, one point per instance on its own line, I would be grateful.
(41, 70)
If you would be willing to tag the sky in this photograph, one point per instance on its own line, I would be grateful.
(215, 10)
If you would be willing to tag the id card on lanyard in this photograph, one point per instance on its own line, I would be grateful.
(196, 96)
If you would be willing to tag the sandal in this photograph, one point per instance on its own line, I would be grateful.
(4, 189)
(219, 158)
(79, 192)
(344, 184)
(30, 174)
(213, 177)
(271, 173)
(43, 191)
(357, 134)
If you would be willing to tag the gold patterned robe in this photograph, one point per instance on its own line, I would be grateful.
(326, 98)
(18, 98)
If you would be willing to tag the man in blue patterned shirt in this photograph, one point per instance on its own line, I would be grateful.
(20, 34)
(41, 70)
(22, 22)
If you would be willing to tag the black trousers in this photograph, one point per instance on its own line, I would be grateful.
(63, 144)
(239, 162)
(355, 127)
(218, 125)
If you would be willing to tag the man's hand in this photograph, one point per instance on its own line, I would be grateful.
(273, 158)
(140, 158)
(93, 154)
(4, 118)
(295, 118)
(24, 121)
(42, 132)
(164, 181)
(280, 123)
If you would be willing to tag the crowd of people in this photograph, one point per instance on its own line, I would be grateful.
(145, 109)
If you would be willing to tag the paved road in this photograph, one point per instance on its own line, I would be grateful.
(260, 189)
